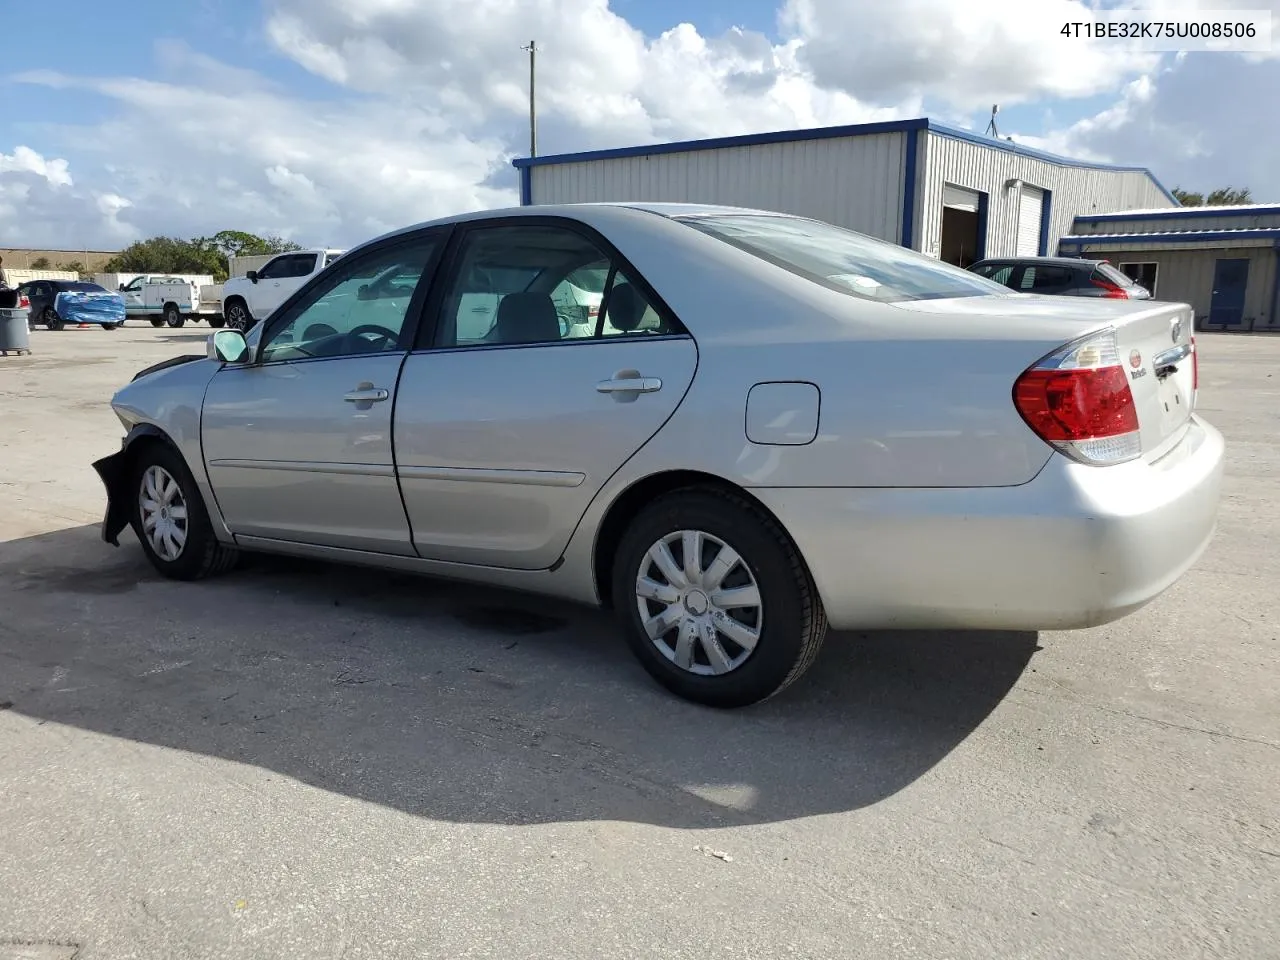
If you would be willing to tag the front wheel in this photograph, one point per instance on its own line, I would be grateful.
(715, 600)
(170, 519)
(110, 326)
(238, 317)
(51, 319)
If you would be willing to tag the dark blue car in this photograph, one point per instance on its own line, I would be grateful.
(56, 303)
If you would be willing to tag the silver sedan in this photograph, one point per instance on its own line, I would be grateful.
(768, 425)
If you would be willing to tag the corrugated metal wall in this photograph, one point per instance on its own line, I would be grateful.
(1076, 191)
(854, 182)
(1186, 276)
(1163, 224)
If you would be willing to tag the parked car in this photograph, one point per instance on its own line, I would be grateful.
(248, 299)
(56, 303)
(1061, 277)
(775, 425)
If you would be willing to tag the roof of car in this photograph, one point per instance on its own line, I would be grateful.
(1058, 261)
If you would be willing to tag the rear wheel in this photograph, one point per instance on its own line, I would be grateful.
(715, 600)
(110, 326)
(51, 320)
(173, 316)
(170, 519)
(217, 322)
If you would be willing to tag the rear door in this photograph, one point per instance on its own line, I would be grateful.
(508, 420)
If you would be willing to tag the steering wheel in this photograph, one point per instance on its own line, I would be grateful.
(387, 337)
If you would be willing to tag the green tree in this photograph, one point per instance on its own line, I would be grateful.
(40, 263)
(1223, 197)
(198, 255)
(74, 266)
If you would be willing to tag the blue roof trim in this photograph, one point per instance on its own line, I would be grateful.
(1192, 236)
(719, 143)
(830, 133)
(1182, 213)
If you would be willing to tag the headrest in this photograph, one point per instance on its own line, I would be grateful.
(527, 318)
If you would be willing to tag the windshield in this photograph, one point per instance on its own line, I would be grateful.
(73, 287)
(1116, 276)
(842, 260)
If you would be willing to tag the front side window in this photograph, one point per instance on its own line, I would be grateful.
(842, 260)
(362, 307)
(301, 265)
(539, 284)
(274, 269)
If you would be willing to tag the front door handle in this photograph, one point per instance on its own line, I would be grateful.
(367, 393)
(629, 385)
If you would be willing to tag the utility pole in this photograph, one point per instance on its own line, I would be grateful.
(533, 109)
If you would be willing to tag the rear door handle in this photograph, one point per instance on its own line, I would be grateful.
(630, 385)
(367, 393)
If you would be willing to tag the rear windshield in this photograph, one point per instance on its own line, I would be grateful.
(842, 260)
(74, 287)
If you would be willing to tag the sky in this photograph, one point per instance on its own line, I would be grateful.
(331, 121)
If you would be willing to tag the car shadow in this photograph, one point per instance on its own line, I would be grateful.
(466, 704)
(200, 336)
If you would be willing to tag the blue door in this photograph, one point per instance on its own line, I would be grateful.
(1230, 279)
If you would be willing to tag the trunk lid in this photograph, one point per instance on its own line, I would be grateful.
(1155, 335)
(1156, 351)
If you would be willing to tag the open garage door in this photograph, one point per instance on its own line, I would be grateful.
(961, 212)
(1030, 210)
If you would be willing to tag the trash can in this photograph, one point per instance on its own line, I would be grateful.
(14, 335)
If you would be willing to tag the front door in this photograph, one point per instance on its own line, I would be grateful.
(1230, 280)
(279, 280)
(512, 419)
(298, 443)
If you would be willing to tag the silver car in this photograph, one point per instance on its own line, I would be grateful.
(774, 425)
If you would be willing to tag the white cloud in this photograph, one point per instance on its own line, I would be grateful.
(429, 105)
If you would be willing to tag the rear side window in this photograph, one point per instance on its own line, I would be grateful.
(1040, 279)
(842, 260)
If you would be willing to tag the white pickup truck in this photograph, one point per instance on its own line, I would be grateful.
(171, 300)
(248, 299)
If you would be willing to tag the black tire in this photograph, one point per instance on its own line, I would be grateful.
(238, 316)
(217, 322)
(157, 321)
(110, 326)
(202, 555)
(794, 622)
(51, 320)
(173, 316)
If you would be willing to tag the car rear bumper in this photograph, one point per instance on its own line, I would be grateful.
(1076, 547)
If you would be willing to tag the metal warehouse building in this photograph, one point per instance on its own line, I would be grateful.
(1221, 260)
(947, 192)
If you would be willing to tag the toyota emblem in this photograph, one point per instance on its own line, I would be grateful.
(1135, 359)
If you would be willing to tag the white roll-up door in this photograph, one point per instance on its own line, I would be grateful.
(1030, 207)
(960, 198)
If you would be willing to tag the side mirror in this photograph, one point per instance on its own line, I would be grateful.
(252, 276)
(227, 346)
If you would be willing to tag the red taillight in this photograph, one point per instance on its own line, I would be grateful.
(24, 302)
(1078, 400)
(1113, 291)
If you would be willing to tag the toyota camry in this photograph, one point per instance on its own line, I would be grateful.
(768, 426)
